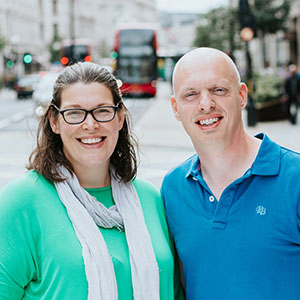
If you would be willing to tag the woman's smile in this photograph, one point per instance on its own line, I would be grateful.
(92, 141)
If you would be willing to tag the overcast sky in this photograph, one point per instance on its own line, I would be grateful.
(197, 6)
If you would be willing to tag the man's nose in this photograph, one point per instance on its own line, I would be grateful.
(206, 102)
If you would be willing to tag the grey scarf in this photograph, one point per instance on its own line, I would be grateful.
(85, 213)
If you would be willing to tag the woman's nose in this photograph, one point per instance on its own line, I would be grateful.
(90, 122)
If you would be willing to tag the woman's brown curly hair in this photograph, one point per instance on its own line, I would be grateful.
(48, 153)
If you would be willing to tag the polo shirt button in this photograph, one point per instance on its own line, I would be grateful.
(211, 199)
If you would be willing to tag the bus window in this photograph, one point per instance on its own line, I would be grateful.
(136, 63)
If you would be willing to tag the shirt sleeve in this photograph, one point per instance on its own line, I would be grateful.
(17, 266)
(179, 293)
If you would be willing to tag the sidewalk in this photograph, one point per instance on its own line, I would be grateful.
(164, 143)
(282, 132)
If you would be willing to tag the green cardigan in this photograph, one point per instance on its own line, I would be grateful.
(41, 257)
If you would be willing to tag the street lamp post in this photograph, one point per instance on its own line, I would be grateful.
(248, 28)
(247, 35)
(72, 25)
(251, 111)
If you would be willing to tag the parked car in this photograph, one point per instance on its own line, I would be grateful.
(26, 85)
(42, 95)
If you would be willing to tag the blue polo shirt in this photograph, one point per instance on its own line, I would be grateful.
(247, 244)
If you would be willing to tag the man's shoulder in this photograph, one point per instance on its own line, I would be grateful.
(290, 157)
(272, 155)
(181, 170)
(279, 158)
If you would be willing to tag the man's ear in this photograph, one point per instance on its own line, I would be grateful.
(243, 94)
(53, 121)
(174, 107)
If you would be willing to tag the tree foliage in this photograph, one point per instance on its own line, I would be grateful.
(271, 15)
(2, 41)
(54, 47)
(218, 29)
(267, 87)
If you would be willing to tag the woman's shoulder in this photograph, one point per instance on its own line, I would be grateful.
(153, 208)
(28, 187)
(29, 180)
(145, 186)
(148, 194)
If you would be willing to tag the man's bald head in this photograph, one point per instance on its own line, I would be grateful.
(208, 57)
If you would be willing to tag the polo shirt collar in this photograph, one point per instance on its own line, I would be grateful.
(267, 162)
(194, 166)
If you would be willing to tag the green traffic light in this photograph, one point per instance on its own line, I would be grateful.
(27, 58)
(10, 64)
(114, 54)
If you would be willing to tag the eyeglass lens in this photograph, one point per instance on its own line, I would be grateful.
(100, 114)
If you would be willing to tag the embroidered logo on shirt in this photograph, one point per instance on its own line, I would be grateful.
(260, 210)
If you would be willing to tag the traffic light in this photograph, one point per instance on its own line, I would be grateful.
(10, 64)
(247, 21)
(64, 61)
(88, 58)
(27, 58)
(9, 61)
(114, 54)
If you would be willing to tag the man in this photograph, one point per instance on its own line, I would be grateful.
(292, 93)
(233, 208)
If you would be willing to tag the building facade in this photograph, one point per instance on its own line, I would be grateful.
(32, 26)
(293, 35)
(21, 31)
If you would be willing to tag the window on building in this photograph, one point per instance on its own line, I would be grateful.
(54, 7)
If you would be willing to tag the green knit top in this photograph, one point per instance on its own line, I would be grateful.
(41, 257)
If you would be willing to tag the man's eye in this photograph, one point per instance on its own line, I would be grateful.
(220, 91)
(191, 95)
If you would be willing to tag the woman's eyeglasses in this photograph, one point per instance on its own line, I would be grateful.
(75, 116)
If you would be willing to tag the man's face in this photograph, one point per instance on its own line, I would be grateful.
(208, 99)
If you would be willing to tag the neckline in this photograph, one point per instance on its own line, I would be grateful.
(102, 189)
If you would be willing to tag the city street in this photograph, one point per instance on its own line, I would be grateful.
(163, 142)
(18, 131)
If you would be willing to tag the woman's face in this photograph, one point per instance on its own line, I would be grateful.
(88, 145)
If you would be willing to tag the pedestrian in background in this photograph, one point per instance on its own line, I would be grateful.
(233, 207)
(292, 93)
(78, 225)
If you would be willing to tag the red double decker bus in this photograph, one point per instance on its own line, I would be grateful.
(76, 51)
(135, 51)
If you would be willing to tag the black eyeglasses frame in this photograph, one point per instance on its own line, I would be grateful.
(62, 112)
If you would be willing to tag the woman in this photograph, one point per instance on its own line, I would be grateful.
(78, 225)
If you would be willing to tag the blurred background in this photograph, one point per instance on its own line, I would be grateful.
(140, 41)
(262, 36)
